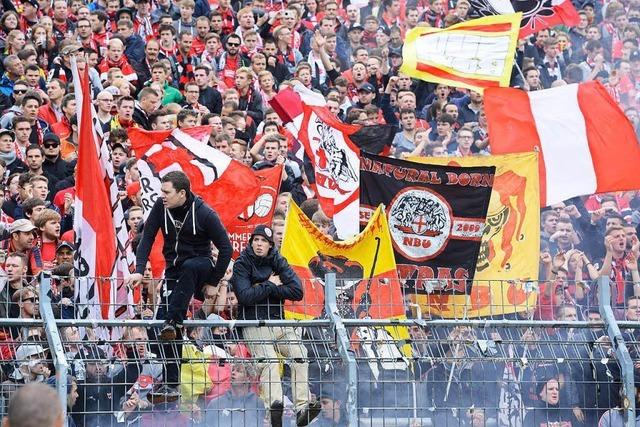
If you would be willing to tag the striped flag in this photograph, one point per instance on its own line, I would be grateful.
(586, 144)
(536, 14)
(102, 258)
(476, 54)
(335, 158)
(226, 185)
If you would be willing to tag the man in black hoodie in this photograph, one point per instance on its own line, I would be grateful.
(263, 280)
(189, 226)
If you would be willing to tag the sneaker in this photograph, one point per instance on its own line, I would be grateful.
(164, 394)
(308, 413)
(168, 331)
(276, 411)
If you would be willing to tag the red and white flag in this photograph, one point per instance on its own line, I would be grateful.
(586, 144)
(103, 257)
(226, 185)
(536, 14)
(335, 158)
(258, 212)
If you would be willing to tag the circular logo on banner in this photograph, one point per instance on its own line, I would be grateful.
(420, 223)
(263, 205)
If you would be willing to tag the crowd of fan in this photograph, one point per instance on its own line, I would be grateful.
(160, 65)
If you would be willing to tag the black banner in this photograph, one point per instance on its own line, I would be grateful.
(436, 217)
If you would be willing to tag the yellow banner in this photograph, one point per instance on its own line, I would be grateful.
(367, 281)
(510, 248)
(473, 54)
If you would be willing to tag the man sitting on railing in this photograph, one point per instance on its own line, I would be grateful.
(263, 280)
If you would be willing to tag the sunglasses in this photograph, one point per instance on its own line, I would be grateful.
(54, 145)
(20, 91)
(32, 299)
(233, 44)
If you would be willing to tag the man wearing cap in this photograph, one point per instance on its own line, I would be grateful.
(32, 368)
(8, 152)
(354, 40)
(263, 280)
(54, 167)
(332, 414)
(366, 95)
(21, 238)
(29, 16)
(64, 253)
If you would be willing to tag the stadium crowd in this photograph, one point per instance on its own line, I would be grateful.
(162, 64)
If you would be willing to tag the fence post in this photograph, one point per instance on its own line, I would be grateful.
(55, 343)
(344, 347)
(622, 353)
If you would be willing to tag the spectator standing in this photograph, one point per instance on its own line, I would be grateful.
(263, 280)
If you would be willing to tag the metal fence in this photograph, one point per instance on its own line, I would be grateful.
(414, 371)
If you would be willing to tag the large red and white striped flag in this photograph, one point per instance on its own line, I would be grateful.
(225, 184)
(586, 144)
(335, 158)
(103, 256)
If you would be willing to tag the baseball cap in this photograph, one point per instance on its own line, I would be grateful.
(124, 10)
(113, 90)
(355, 27)
(385, 30)
(27, 350)
(264, 231)
(64, 244)
(395, 51)
(50, 137)
(8, 132)
(23, 225)
(33, 3)
(367, 87)
(68, 50)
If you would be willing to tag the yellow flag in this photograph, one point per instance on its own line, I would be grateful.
(510, 246)
(367, 280)
(473, 54)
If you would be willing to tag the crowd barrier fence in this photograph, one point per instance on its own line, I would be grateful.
(392, 372)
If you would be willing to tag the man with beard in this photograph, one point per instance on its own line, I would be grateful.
(231, 60)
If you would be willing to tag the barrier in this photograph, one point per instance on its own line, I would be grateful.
(403, 371)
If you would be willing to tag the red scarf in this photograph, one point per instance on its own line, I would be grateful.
(185, 68)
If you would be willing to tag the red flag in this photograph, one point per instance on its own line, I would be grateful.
(335, 157)
(258, 212)
(225, 184)
(96, 242)
(536, 14)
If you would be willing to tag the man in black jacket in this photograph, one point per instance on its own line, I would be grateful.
(189, 226)
(262, 280)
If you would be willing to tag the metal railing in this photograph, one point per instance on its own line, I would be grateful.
(398, 371)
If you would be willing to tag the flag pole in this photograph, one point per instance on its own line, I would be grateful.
(519, 71)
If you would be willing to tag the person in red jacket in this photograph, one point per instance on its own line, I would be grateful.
(116, 59)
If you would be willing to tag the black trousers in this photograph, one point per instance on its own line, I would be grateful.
(182, 282)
